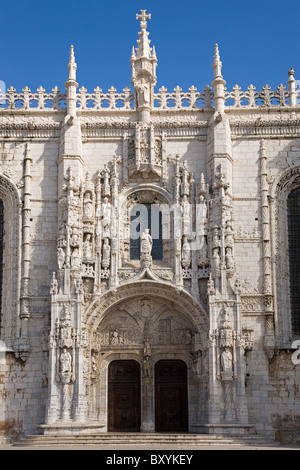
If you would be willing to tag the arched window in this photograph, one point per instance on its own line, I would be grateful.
(144, 216)
(10, 267)
(294, 257)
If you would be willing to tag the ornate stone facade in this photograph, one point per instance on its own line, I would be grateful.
(208, 283)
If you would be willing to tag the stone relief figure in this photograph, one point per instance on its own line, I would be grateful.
(186, 337)
(145, 309)
(115, 337)
(146, 243)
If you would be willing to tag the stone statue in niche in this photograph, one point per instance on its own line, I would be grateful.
(75, 259)
(106, 217)
(226, 365)
(226, 360)
(64, 328)
(229, 258)
(186, 217)
(146, 243)
(106, 254)
(186, 253)
(61, 256)
(216, 259)
(147, 370)
(65, 362)
(143, 93)
(87, 246)
(88, 206)
(197, 364)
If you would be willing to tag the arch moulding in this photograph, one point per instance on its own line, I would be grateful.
(181, 300)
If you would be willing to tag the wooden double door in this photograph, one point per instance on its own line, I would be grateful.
(124, 396)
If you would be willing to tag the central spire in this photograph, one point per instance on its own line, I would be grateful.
(143, 64)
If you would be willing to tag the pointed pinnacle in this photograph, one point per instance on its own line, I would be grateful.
(217, 54)
(72, 66)
(72, 56)
(154, 53)
(133, 53)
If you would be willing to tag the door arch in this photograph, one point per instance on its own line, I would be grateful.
(124, 396)
(171, 396)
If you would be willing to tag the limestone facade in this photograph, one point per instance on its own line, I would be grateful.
(213, 292)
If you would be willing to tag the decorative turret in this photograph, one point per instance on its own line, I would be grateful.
(218, 83)
(143, 64)
(71, 86)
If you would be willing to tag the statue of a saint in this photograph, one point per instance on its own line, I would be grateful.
(65, 362)
(75, 260)
(60, 257)
(143, 94)
(216, 259)
(186, 253)
(87, 246)
(106, 253)
(106, 217)
(146, 243)
(186, 217)
(226, 360)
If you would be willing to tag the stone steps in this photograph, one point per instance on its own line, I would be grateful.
(143, 439)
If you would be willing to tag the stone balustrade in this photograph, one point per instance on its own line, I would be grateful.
(163, 100)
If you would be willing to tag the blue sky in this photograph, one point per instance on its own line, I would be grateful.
(258, 40)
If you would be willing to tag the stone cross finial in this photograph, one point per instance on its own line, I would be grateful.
(143, 17)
